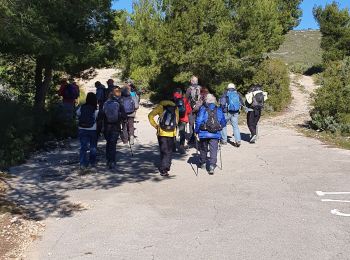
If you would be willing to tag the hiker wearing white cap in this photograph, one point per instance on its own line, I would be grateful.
(231, 103)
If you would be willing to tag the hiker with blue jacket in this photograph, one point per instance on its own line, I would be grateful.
(112, 129)
(128, 109)
(231, 103)
(209, 123)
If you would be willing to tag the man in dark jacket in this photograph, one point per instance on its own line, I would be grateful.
(208, 137)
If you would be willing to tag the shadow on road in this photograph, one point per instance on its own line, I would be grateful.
(41, 185)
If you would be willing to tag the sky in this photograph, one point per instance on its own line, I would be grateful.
(307, 20)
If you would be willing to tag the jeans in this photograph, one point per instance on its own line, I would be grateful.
(111, 135)
(252, 120)
(182, 132)
(233, 120)
(128, 128)
(213, 149)
(87, 138)
(166, 145)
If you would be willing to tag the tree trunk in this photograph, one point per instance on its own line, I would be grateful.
(43, 77)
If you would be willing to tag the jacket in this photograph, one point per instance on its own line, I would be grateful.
(61, 93)
(158, 111)
(185, 118)
(202, 118)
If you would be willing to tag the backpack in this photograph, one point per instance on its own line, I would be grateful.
(233, 101)
(258, 100)
(180, 103)
(212, 125)
(111, 109)
(101, 94)
(70, 92)
(195, 95)
(167, 121)
(87, 116)
(136, 99)
(128, 105)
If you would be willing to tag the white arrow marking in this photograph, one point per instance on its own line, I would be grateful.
(322, 193)
(338, 213)
(328, 200)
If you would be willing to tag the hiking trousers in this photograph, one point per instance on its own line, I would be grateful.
(111, 133)
(192, 120)
(232, 118)
(128, 129)
(182, 132)
(213, 145)
(252, 120)
(166, 145)
(88, 141)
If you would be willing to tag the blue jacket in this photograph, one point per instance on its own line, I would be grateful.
(202, 117)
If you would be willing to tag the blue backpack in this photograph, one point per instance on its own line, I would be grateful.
(180, 103)
(87, 116)
(128, 105)
(71, 92)
(111, 108)
(233, 101)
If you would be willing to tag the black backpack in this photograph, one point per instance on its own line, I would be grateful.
(87, 116)
(167, 121)
(258, 100)
(70, 92)
(180, 103)
(212, 125)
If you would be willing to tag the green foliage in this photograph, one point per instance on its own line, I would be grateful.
(331, 103)
(335, 28)
(274, 76)
(22, 131)
(164, 42)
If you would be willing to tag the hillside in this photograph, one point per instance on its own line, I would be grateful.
(301, 47)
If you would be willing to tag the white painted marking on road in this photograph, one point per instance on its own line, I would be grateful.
(322, 193)
(329, 200)
(338, 213)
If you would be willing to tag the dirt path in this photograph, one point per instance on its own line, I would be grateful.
(261, 205)
(298, 112)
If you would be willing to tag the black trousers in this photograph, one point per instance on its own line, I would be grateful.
(253, 118)
(166, 145)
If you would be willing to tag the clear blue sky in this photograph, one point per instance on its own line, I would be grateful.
(307, 20)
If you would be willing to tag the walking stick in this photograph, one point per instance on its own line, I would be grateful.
(132, 154)
(220, 157)
(197, 153)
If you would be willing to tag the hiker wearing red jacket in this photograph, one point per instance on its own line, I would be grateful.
(185, 110)
(69, 93)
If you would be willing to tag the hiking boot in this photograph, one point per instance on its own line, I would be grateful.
(164, 173)
(202, 166)
(111, 165)
(238, 144)
(253, 139)
(132, 141)
(211, 169)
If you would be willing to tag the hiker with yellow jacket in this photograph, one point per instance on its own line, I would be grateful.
(168, 118)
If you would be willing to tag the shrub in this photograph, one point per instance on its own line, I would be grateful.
(331, 102)
(273, 75)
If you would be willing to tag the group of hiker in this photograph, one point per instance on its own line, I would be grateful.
(193, 114)
(207, 120)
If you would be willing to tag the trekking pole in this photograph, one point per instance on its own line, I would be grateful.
(132, 154)
(220, 156)
(197, 152)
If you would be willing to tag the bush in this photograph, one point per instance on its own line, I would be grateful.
(331, 102)
(274, 76)
(23, 131)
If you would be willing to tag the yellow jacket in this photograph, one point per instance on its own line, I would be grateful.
(158, 111)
